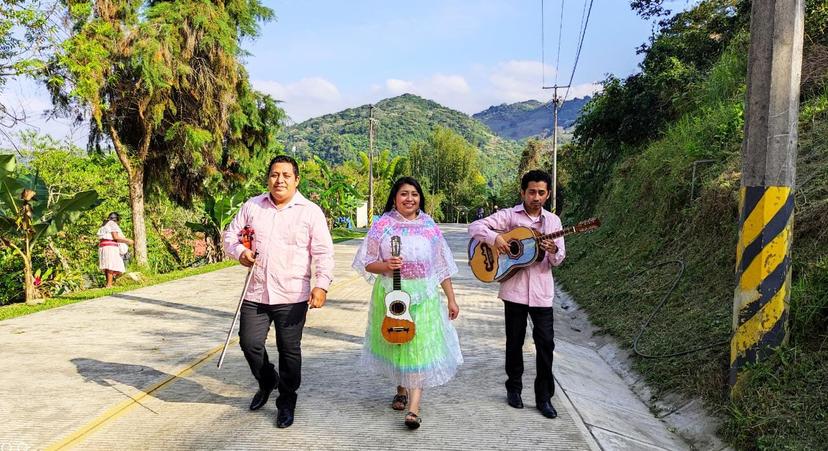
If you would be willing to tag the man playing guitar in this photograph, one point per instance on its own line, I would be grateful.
(531, 291)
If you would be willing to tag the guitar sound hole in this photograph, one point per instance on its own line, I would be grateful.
(514, 248)
(397, 307)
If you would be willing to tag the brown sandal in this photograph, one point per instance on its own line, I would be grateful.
(399, 402)
(412, 420)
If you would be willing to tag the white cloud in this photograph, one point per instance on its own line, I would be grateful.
(438, 87)
(448, 85)
(397, 87)
(518, 80)
(305, 98)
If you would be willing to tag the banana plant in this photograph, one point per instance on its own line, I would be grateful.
(29, 214)
(387, 170)
(333, 192)
(385, 166)
(219, 211)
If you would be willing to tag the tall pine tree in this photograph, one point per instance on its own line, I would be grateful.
(165, 86)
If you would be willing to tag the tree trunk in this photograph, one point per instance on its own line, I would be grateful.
(28, 280)
(135, 175)
(136, 202)
(210, 253)
(214, 252)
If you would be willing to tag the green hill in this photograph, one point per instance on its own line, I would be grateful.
(401, 121)
(530, 118)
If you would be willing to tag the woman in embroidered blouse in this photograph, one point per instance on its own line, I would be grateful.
(431, 358)
(110, 237)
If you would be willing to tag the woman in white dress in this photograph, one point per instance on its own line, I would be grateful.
(425, 264)
(110, 242)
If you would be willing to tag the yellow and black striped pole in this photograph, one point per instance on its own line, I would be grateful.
(766, 201)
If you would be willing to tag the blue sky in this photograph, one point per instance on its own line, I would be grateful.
(320, 57)
(323, 56)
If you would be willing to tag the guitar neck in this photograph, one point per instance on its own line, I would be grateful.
(559, 233)
(397, 283)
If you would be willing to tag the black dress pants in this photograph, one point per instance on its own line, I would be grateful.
(543, 335)
(289, 320)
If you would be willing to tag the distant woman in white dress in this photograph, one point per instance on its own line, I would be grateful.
(111, 241)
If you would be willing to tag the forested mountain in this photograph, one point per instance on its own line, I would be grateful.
(530, 118)
(400, 122)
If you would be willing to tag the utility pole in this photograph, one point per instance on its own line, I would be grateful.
(370, 163)
(766, 201)
(556, 104)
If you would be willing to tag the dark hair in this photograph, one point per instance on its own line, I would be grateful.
(389, 204)
(536, 175)
(114, 216)
(282, 159)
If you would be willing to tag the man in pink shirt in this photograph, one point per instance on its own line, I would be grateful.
(290, 233)
(530, 291)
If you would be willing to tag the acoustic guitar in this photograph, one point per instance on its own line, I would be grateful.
(490, 265)
(397, 326)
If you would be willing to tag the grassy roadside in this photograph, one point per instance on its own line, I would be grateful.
(648, 217)
(340, 235)
(15, 310)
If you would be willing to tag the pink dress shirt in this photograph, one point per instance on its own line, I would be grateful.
(532, 285)
(287, 239)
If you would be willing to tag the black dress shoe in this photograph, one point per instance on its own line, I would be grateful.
(260, 398)
(284, 418)
(513, 398)
(547, 410)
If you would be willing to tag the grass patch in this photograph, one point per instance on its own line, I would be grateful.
(648, 217)
(783, 404)
(340, 235)
(605, 272)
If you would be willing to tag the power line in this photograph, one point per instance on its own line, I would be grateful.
(560, 34)
(584, 24)
(543, 49)
(543, 44)
(558, 101)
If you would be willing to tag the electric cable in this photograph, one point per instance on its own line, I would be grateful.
(560, 34)
(543, 49)
(585, 24)
(658, 307)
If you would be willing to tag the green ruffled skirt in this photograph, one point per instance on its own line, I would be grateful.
(431, 358)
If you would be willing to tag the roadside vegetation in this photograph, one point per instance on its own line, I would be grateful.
(635, 171)
(126, 283)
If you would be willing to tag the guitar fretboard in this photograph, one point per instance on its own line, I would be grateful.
(397, 283)
(559, 233)
(395, 252)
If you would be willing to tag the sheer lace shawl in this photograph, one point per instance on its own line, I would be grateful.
(425, 253)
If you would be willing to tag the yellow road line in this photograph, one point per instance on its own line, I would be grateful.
(124, 406)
